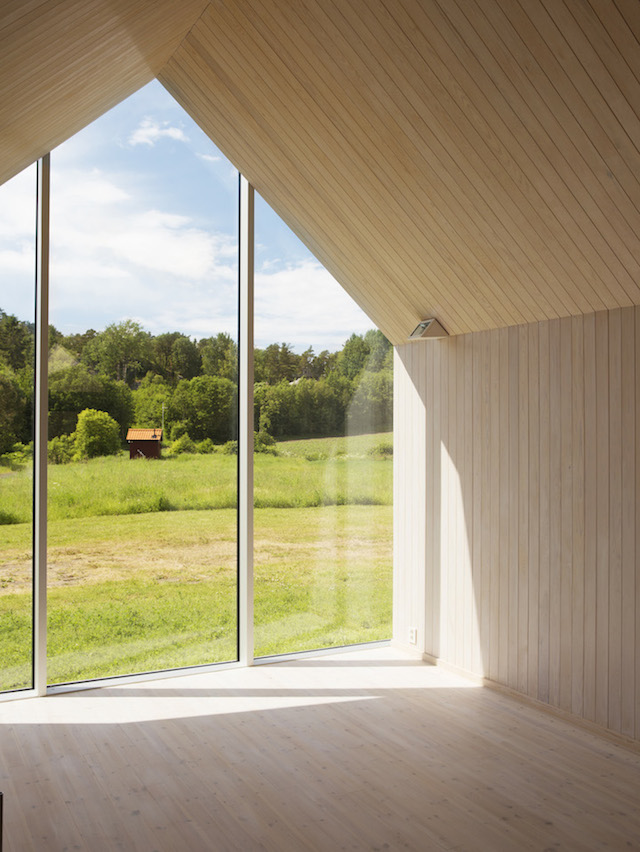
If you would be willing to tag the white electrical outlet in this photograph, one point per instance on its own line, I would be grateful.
(413, 635)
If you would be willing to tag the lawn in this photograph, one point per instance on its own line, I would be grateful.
(323, 471)
(155, 589)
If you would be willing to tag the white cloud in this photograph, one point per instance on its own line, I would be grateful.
(93, 217)
(18, 206)
(17, 244)
(302, 304)
(210, 158)
(72, 188)
(150, 131)
(19, 259)
(164, 242)
(113, 256)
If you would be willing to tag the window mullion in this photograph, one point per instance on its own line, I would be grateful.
(245, 426)
(41, 416)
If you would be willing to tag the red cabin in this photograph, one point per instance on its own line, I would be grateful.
(144, 443)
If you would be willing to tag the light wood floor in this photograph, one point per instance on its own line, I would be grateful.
(365, 750)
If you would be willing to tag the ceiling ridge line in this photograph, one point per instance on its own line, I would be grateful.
(184, 38)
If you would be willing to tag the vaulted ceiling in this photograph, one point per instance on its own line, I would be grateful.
(473, 160)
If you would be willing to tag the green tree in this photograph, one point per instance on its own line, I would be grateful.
(207, 405)
(305, 369)
(278, 412)
(55, 337)
(16, 341)
(276, 363)
(75, 343)
(312, 366)
(380, 350)
(161, 346)
(320, 407)
(61, 450)
(97, 434)
(122, 351)
(148, 400)
(186, 361)
(13, 409)
(219, 356)
(322, 364)
(353, 357)
(75, 388)
(371, 407)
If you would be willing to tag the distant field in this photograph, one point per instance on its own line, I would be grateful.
(352, 446)
(323, 471)
(155, 588)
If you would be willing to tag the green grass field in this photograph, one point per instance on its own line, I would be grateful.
(154, 587)
(323, 471)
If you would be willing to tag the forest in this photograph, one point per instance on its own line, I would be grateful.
(124, 376)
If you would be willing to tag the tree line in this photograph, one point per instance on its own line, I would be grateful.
(143, 380)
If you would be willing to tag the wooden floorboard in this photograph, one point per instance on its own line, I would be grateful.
(360, 750)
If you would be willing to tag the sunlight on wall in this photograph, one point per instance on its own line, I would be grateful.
(459, 625)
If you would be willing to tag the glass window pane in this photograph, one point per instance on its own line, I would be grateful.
(142, 397)
(323, 467)
(17, 324)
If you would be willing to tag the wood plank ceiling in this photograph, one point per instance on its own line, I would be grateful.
(63, 63)
(473, 160)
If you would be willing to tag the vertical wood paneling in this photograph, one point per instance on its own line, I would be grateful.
(636, 639)
(431, 556)
(577, 547)
(523, 508)
(445, 498)
(566, 513)
(434, 473)
(533, 503)
(628, 550)
(533, 465)
(503, 497)
(459, 512)
(456, 409)
(590, 516)
(493, 482)
(602, 518)
(484, 436)
(478, 491)
(471, 660)
(410, 511)
(554, 519)
(615, 519)
(544, 514)
(514, 458)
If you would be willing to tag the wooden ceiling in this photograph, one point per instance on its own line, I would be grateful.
(63, 63)
(473, 160)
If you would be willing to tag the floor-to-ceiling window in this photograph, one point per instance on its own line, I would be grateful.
(142, 370)
(323, 466)
(142, 397)
(17, 335)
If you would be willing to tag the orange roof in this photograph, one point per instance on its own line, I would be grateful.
(144, 435)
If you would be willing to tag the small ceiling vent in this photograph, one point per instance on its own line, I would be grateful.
(429, 329)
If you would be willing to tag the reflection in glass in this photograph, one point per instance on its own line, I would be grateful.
(323, 467)
(17, 324)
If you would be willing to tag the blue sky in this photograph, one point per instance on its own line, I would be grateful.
(144, 226)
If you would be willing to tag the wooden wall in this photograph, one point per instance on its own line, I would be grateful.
(516, 553)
